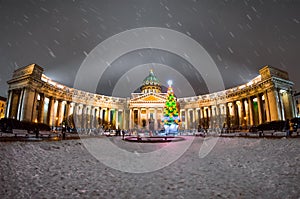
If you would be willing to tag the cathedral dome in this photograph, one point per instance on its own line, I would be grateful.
(151, 84)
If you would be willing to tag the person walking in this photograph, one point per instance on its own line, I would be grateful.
(36, 132)
(287, 127)
(291, 128)
(123, 134)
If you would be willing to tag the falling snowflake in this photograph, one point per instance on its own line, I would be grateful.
(248, 16)
(44, 9)
(230, 50)
(296, 21)
(51, 52)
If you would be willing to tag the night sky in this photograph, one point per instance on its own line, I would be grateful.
(240, 36)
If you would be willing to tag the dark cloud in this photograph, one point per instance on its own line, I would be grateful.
(240, 36)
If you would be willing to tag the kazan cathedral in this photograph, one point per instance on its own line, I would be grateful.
(34, 97)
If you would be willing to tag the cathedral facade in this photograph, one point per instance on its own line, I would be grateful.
(32, 96)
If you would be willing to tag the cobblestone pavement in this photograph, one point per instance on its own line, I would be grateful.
(235, 168)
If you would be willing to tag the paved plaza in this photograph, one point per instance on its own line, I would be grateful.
(235, 168)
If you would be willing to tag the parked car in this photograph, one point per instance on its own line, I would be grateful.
(110, 133)
(296, 123)
(201, 133)
(253, 129)
(278, 125)
(7, 124)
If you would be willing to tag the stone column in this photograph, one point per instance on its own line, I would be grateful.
(250, 108)
(217, 117)
(50, 111)
(75, 114)
(8, 104)
(194, 118)
(267, 104)
(289, 105)
(223, 116)
(243, 114)
(99, 120)
(24, 108)
(121, 119)
(274, 105)
(140, 117)
(90, 117)
(67, 109)
(210, 117)
(34, 112)
(147, 118)
(101, 115)
(186, 119)
(94, 117)
(293, 104)
(113, 116)
(14, 104)
(259, 104)
(20, 100)
(234, 111)
(125, 118)
(281, 108)
(130, 118)
(228, 122)
(84, 119)
(41, 109)
(79, 114)
(197, 117)
(58, 113)
(107, 115)
(116, 115)
(202, 117)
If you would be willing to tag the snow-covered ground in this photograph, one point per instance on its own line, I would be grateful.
(235, 168)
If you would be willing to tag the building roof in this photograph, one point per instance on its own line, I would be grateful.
(151, 79)
(3, 98)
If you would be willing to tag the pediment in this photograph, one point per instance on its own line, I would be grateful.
(150, 97)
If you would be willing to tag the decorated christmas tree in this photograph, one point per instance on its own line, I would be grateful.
(171, 116)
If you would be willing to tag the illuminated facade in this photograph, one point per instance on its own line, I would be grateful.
(297, 101)
(2, 106)
(32, 96)
(146, 108)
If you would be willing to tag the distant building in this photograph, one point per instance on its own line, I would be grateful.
(297, 102)
(2, 106)
(32, 96)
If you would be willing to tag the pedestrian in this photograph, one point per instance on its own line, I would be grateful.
(36, 132)
(123, 134)
(291, 129)
(63, 131)
(287, 127)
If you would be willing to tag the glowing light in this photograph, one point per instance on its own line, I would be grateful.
(241, 87)
(52, 83)
(44, 79)
(60, 86)
(282, 91)
(250, 83)
(170, 82)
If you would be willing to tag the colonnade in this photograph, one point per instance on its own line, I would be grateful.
(269, 105)
(27, 104)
